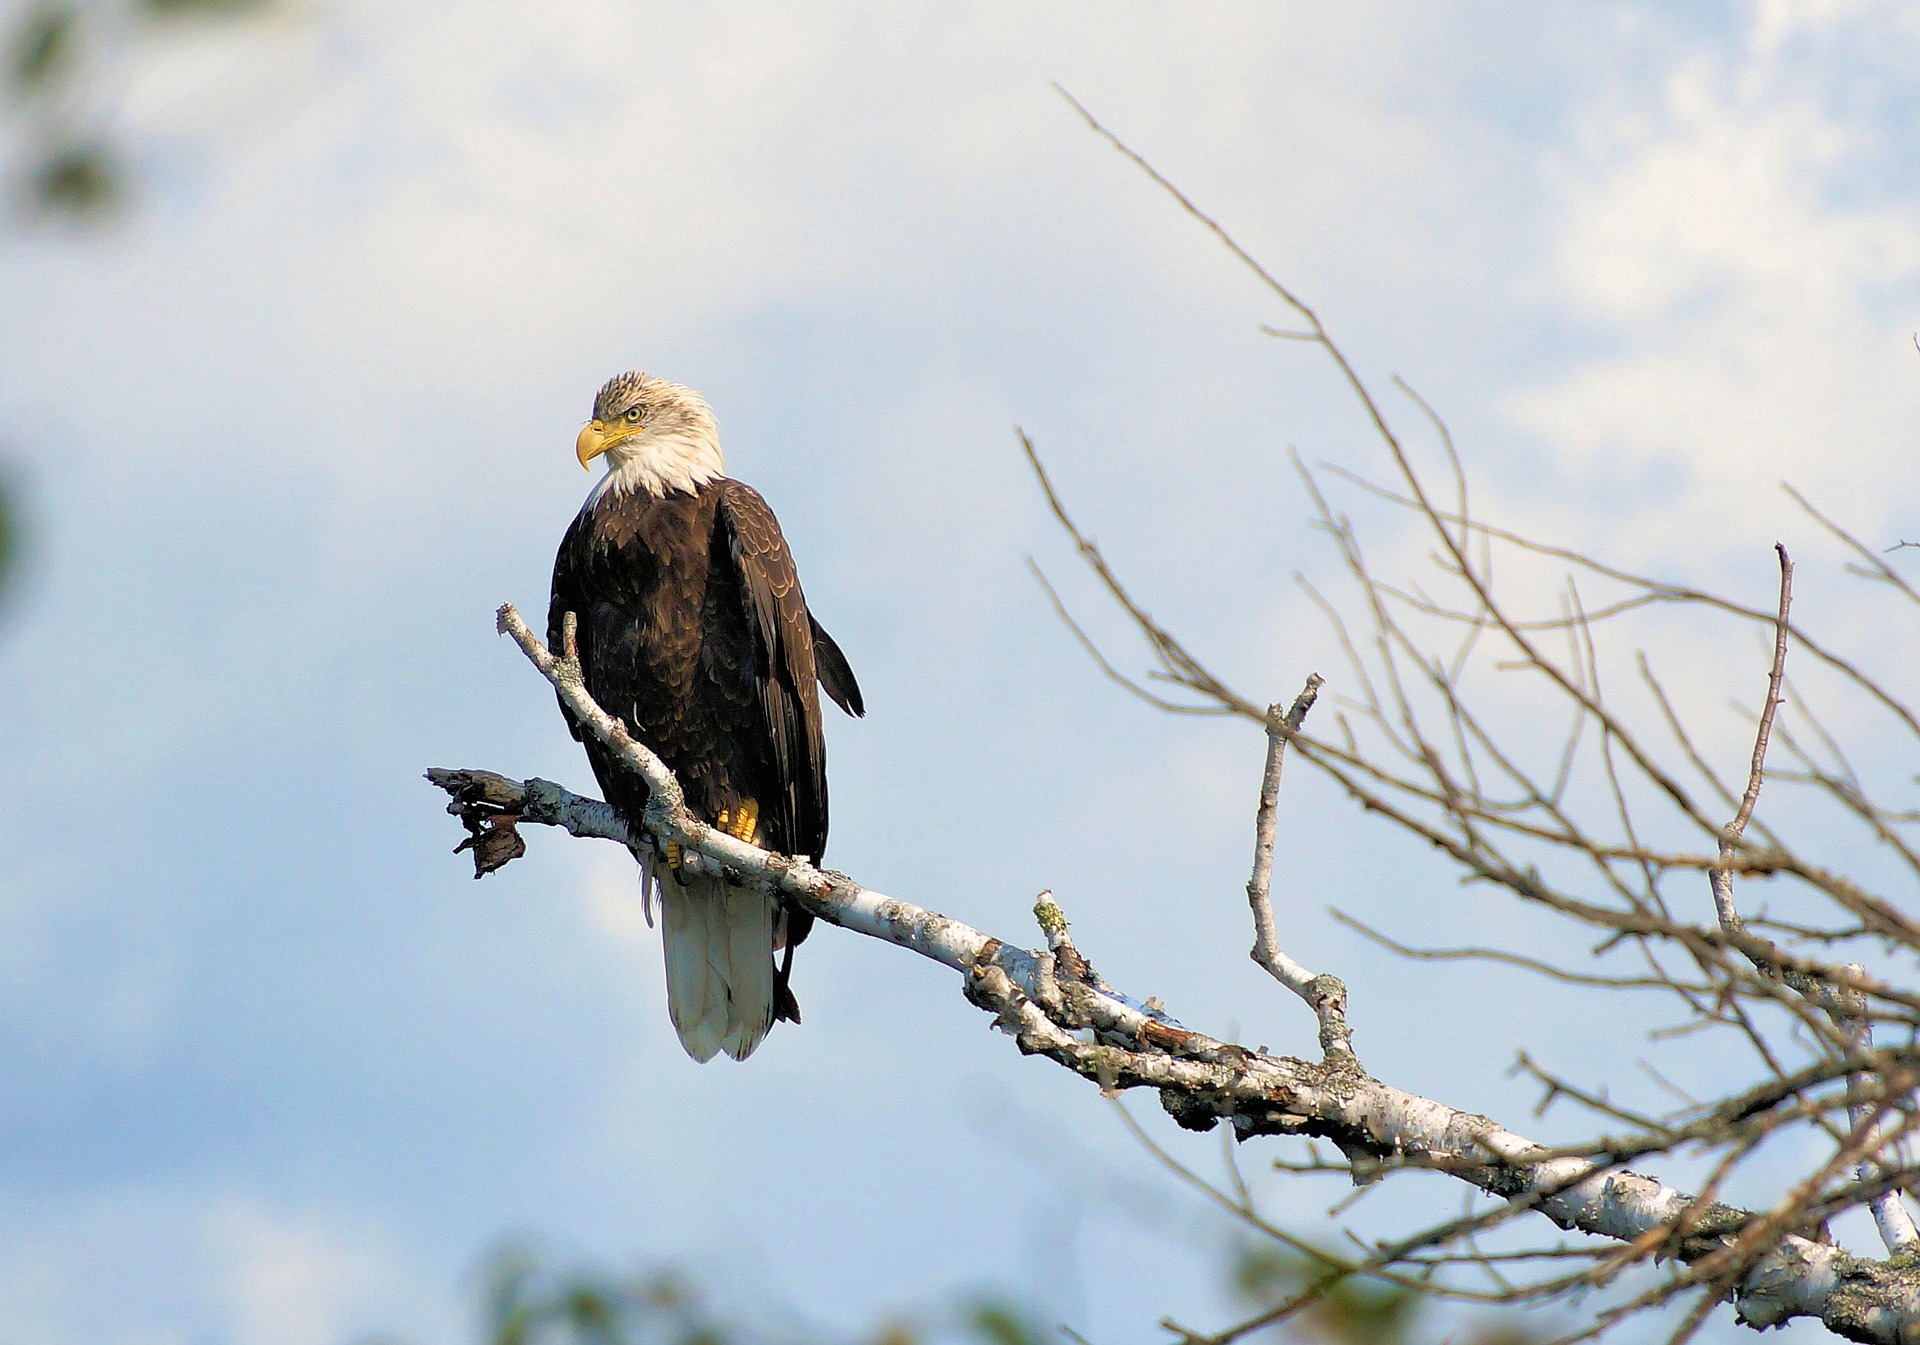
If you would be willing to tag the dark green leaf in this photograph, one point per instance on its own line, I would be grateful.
(43, 46)
(81, 179)
(1506, 1333)
(9, 538)
(667, 1291)
(1358, 1312)
(1000, 1324)
(1352, 1311)
(1268, 1274)
(193, 9)
(705, 1334)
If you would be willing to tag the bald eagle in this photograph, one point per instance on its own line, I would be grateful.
(693, 632)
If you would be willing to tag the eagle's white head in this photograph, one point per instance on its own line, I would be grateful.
(656, 436)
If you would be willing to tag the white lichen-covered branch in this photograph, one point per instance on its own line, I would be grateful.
(1607, 830)
(1054, 1004)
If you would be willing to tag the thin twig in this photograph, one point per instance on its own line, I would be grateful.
(1324, 994)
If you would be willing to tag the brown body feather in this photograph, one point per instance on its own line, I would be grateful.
(694, 632)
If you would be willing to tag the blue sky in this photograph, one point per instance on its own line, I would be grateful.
(279, 1070)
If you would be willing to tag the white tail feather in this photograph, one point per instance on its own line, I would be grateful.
(719, 943)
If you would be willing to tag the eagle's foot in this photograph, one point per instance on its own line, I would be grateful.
(740, 823)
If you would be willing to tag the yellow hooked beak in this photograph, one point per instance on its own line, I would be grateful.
(591, 443)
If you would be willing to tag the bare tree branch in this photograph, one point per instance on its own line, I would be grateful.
(1055, 1006)
(1324, 994)
(1846, 1007)
(1474, 788)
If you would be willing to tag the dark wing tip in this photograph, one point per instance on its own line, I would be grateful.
(836, 674)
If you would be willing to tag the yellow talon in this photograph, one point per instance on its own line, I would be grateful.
(746, 820)
(675, 857)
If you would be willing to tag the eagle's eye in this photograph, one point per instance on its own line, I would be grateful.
(634, 414)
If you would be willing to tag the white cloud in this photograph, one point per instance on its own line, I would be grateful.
(1756, 295)
(204, 1266)
(293, 1280)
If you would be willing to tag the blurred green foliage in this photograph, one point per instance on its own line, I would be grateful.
(80, 179)
(1358, 1311)
(528, 1304)
(42, 49)
(1354, 1311)
(9, 539)
(68, 153)
(996, 1323)
(185, 9)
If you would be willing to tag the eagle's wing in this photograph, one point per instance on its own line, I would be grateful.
(836, 674)
(785, 669)
(568, 597)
